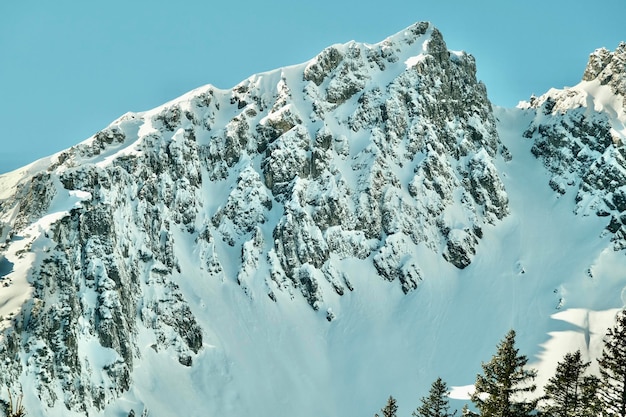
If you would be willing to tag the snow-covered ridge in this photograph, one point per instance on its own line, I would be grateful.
(280, 230)
(580, 132)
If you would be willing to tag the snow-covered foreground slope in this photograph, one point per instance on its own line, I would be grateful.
(311, 241)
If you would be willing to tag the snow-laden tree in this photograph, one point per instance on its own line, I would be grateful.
(502, 389)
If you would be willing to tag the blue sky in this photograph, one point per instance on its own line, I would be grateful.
(69, 68)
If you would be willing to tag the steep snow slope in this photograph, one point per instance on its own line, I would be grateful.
(307, 243)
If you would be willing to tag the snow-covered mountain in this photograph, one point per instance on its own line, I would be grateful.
(314, 239)
(579, 134)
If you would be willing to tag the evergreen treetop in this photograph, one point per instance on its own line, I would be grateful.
(390, 409)
(436, 404)
(505, 381)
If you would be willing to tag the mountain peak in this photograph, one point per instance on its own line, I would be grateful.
(278, 188)
(609, 68)
(411, 33)
(433, 44)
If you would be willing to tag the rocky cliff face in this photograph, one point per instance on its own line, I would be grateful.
(579, 134)
(608, 68)
(364, 152)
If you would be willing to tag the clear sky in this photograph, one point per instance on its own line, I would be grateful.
(69, 68)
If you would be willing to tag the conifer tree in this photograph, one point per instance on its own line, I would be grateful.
(571, 393)
(389, 410)
(436, 404)
(613, 369)
(590, 396)
(498, 392)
